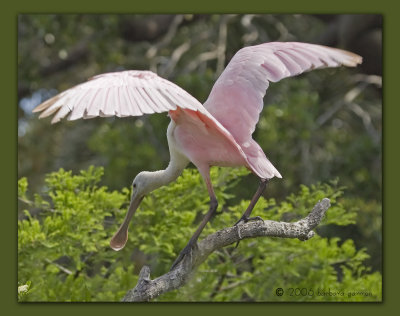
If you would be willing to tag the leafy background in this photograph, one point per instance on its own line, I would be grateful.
(321, 130)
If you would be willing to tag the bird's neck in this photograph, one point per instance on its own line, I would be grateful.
(177, 163)
(171, 173)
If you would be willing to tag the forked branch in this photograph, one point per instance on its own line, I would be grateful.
(147, 289)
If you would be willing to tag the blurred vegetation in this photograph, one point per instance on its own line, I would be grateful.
(320, 127)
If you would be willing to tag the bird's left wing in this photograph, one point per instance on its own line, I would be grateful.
(125, 93)
(236, 99)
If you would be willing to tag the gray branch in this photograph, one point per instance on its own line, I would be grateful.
(147, 289)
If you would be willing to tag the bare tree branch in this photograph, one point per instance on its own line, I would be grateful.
(175, 57)
(147, 289)
(348, 100)
(221, 48)
(252, 33)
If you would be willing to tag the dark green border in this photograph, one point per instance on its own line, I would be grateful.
(8, 134)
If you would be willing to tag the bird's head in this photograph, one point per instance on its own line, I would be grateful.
(144, 183)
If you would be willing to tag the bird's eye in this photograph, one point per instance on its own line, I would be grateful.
(134, 185)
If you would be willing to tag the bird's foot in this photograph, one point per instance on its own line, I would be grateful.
(188, 250)
(248, 219)
(245, 219)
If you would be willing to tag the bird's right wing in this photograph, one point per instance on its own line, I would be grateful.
(125, 93)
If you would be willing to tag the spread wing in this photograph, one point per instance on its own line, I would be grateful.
(236, 99)
(126, 93)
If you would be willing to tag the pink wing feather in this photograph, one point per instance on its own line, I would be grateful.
(236, 99)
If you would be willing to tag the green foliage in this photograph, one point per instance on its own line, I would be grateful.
(66, 243)
(63, 252)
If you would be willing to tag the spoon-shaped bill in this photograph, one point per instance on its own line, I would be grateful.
(120, 238)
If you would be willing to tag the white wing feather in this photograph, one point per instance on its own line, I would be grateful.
(126, 93)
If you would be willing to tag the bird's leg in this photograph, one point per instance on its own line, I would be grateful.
(192, 244)
(246, 215)
(193, 241)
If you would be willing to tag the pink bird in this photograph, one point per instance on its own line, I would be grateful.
(218, 133)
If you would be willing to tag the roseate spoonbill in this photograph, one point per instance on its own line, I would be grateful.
(218, 133)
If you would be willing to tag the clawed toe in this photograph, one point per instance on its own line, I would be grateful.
(248, 219)
(255, 218)
(186, 251)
